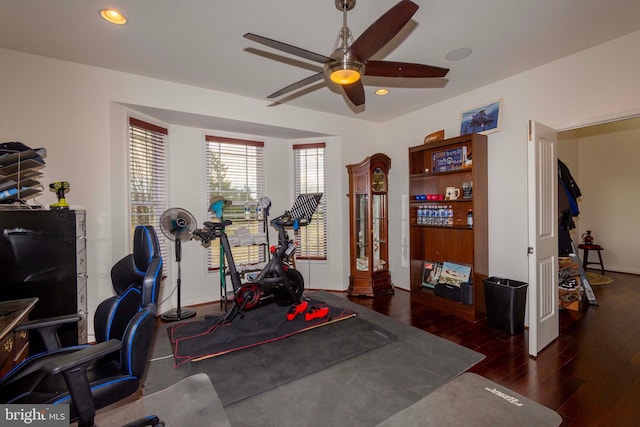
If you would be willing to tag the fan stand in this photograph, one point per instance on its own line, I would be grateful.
(178, 313)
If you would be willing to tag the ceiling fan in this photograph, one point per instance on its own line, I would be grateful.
(349, 62)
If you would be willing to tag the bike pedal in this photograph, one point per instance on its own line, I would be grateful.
(297, 309)
(316, 312)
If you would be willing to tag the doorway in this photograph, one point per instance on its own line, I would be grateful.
(605, 161)
(604, 157)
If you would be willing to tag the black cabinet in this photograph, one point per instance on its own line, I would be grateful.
(43, 254)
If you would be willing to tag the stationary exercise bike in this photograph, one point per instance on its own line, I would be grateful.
(278, 282)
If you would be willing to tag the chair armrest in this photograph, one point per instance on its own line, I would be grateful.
(50, 321)
(73, 367)
(48, 328)
(85, 356)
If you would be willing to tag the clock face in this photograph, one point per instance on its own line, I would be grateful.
(378, 180)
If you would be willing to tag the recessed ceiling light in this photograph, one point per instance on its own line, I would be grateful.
(382, 92)
(458, 54)
(113, 16)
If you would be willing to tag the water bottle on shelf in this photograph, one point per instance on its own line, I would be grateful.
(470, 218)
(442, 215)
(259, 212)
(450, 216)
(247, 211)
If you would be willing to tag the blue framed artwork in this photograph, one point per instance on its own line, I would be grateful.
(484, 119)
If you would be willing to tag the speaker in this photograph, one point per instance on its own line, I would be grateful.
(466, 290)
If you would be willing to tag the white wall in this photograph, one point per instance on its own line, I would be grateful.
(591, 86)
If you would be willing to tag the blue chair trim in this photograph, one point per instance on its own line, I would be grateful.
(17, 398)
(115, 309)
(131, 337)
(35, 356)
(155, 279)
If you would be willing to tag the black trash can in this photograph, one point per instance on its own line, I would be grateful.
(506, 300)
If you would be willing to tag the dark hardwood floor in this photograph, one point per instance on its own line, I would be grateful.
(590, 375)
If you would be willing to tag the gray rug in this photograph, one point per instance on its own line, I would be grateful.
(253, 370)
(473, 400)
(360, 391)
(191, 402)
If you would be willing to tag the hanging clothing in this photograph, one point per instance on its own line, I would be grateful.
(570, 187)
(568, 193)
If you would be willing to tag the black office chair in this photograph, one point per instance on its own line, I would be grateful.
(90, 377)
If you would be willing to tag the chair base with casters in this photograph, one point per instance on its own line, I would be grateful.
(90, 377)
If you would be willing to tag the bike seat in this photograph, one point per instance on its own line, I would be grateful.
(217, 226)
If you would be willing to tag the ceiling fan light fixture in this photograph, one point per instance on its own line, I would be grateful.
(382, 92)
(345, 73)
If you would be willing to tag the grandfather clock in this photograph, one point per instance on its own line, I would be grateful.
(368, 227)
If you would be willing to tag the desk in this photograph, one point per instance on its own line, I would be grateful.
(14, 346)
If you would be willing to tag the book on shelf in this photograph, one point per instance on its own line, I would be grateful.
(452, 159)
(454, 274)
(431, 273)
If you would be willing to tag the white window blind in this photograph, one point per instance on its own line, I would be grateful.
(310, 176)
(148, 176)
(235, 170)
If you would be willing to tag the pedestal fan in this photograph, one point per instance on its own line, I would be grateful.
(178, 224)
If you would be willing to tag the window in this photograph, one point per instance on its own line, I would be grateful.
(310, 177)
(234, 170)
(147, 176)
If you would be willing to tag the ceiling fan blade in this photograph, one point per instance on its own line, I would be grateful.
(402, 69)
(312, 56)
(382, 31)
(355, 92)
(297, 85)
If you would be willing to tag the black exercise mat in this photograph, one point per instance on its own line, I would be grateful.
(201, 339)
(241, 374)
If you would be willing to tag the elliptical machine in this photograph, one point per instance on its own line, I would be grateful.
(278, 282)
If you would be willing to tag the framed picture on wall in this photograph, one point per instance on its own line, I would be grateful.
(484, 119)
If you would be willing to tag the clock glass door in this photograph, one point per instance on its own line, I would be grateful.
(362, 225)
(379, 232)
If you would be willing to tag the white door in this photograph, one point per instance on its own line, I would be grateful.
(543, 236)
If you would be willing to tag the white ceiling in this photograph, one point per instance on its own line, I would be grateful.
(200, 42)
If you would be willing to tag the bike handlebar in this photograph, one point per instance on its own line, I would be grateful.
(285, 220)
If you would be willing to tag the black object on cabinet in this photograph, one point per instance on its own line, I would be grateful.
(43, 254)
